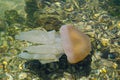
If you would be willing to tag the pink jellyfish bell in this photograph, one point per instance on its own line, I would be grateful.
(75, 44)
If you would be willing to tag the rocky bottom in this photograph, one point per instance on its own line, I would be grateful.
(55, 70)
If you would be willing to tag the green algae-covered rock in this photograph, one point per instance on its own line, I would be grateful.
(12, 4)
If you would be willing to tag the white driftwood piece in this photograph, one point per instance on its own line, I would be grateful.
(49, 48)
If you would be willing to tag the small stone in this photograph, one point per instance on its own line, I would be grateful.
(9, 76)
(103, 70)
(118, 33)
(115, 65)
(118, 25)
(23, 76)
(96, 15)
(105, 42)
(63, 79)
(88, 27)
(68, 76)
(104, 18)
(83, 78)
(91, 34)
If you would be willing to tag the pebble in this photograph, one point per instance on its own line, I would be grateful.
(88, 27)
(9, 76)
(96, 15)
(22, 75)
(68, 76)
(118, 25)
(105, 42)
(83, 78)
(104, 18)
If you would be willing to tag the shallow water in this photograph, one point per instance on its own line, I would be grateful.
(99, 19)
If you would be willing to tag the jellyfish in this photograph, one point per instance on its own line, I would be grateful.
(51, 45)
